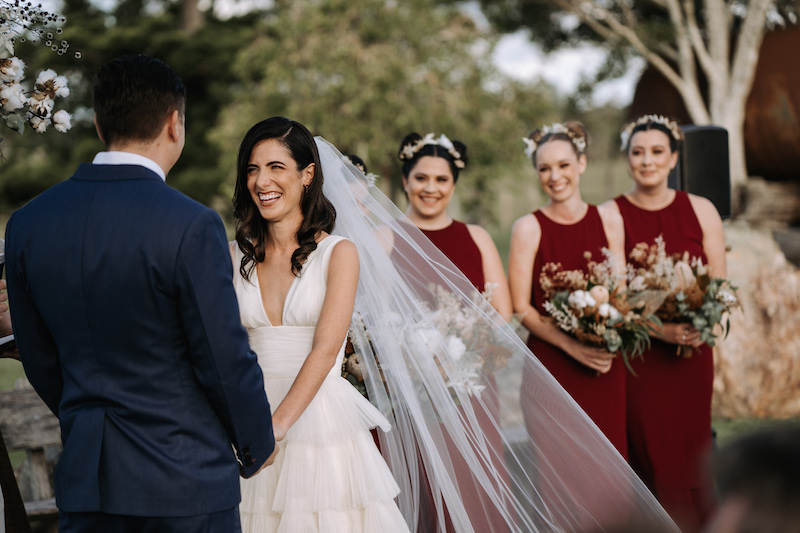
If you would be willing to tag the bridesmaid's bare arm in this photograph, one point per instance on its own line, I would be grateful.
(713, 234)
(614, 229)
(493, 271)
(525, 238)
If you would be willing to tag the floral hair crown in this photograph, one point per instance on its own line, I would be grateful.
(671, 125)
(410, 150)
(370, 177)
(578, 141)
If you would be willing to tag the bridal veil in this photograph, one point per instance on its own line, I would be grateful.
(446, 370)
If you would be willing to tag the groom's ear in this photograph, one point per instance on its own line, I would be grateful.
(97, 129)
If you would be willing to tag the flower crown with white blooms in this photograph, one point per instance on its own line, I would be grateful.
(410, 150)
(671, 125)
(578, 141)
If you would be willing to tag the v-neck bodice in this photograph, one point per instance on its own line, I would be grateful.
(304, 300)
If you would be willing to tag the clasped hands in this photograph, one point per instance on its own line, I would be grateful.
(280, 433)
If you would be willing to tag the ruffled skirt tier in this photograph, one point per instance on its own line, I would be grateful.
(329, 476)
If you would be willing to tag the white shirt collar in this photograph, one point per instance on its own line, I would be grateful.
(128, 158)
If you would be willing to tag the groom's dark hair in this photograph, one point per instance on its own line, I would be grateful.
(133, 97)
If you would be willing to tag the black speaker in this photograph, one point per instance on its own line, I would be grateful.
(703, 166)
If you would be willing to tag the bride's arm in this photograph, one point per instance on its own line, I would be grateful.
(334, 321)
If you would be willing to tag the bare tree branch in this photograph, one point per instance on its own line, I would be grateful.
(668, 52)
(627, 13)
(608, 26)
(748, 47)
(685, 53)
(718, 23)
(697, 38)
(686, 63)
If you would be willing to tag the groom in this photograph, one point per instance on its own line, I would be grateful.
(128, 327)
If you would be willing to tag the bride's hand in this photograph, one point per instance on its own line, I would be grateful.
(268, 462)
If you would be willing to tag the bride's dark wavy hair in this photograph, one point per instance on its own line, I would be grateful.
(318, 212)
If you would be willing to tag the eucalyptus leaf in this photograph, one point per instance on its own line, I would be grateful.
(15, 122)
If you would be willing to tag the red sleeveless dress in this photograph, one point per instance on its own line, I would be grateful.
(601, 397)
(457, 244)
(669, 403)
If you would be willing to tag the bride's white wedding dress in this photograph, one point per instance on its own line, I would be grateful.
(328, 476)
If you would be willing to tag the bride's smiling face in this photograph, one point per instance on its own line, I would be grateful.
(275, 183)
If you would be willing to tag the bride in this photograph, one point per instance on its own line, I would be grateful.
(296, 287)
(316, 246)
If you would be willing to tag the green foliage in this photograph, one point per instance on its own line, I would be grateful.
(364, 75)
(361, 74)
(203, 60)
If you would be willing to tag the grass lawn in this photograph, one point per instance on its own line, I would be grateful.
(10, 370)
(728, 429)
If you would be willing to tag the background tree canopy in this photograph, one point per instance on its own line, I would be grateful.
(362, 75)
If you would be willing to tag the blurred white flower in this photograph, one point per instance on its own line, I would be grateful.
(45, 76)
(530, 147)
(11, 70)
(683, 275)
(604, 310)
(614, 314)
(12, 97)
(39, 124)
(637, 284)
(727, 297)
(445, 142)
(41, 105)
(62, 121)
(581, 299)
(61, 86)
(455, 348)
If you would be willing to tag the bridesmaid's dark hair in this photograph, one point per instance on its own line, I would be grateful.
(318, 212)
(358, 163)
(574, 133)
(433, 150)
(666, 125)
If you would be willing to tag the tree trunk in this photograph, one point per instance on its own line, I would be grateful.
(191, 17)
(736, 154)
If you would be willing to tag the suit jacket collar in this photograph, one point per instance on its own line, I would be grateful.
(115, 157)
(90, 172)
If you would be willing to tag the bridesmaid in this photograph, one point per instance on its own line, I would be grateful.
(669, 403)
(562, 232)
(430, 173)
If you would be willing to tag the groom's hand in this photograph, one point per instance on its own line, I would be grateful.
(268, 462)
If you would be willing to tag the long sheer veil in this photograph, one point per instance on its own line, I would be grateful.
(446, 370)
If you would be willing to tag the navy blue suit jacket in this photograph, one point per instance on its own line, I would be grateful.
(128, 328)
